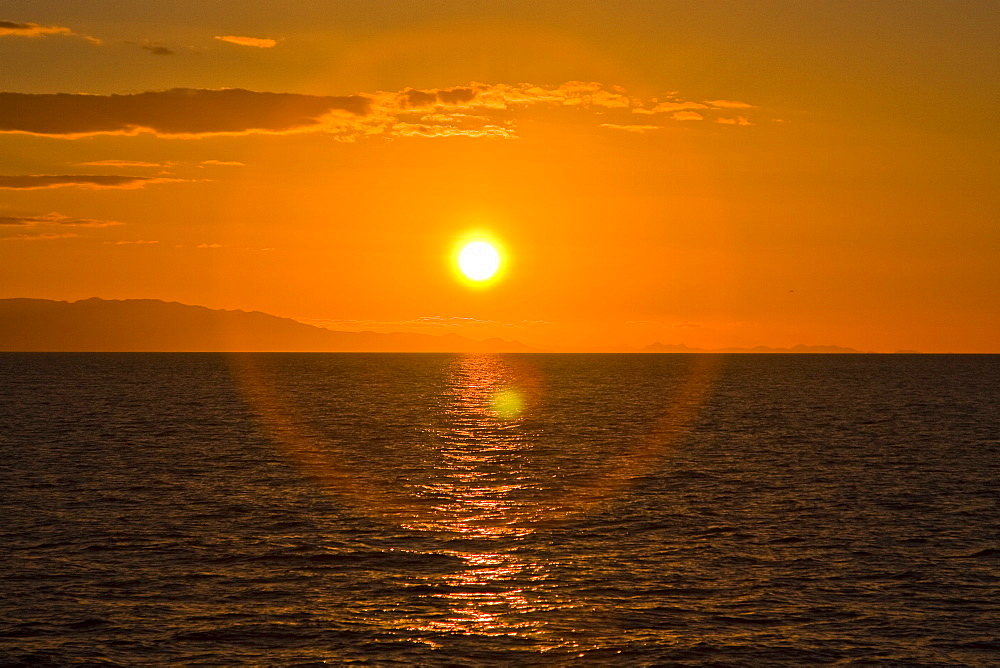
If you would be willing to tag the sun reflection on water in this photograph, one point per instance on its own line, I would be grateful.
(484, 492)
(480, 479)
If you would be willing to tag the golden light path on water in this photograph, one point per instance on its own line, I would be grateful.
(481, 472)
(481, 479)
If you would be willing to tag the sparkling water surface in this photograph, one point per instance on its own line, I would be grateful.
(299, 509)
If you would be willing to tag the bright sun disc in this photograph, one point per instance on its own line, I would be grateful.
(479, 261)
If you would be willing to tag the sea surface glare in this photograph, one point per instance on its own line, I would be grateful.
(464, 510)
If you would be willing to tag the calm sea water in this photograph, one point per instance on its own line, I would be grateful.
(284, 509)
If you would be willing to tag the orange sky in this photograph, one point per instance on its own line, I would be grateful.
(708, 173)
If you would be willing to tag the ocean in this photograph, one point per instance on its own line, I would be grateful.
(497, 510)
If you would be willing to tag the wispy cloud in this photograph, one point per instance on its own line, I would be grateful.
(730, 104)
(259, 42)
(221, 163)
(44, 236)
(687, 116)
(476, 110)
(31, 29)
(56, 219)
(121, 163)
(137, 242)
(673, 105)
(638, 129)
(14, 29)
(96, 182)
(668, 107)
(445, 130)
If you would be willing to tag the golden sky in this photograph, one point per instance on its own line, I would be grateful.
(708, 173)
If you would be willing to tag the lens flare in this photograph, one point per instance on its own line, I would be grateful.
(470, 449)
(479, 261)
(507, 403)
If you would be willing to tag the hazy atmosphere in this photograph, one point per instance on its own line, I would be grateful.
(712, 174)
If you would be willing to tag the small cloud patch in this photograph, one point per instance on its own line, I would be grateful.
(729, 104)
(687, 116)
(55, 219)
(44, 236)
(259, 42)
(637, 129)
(15, 29)
(120, 163)
(95, 182)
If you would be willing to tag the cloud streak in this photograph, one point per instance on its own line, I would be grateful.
(10, 28)
(14, 29)
(45, 236)
(475, 110)
(730, 104)
(55, 219)
(636, 129)
(120, 163)
(259, 42)
(687, 116)
(95, 182)
(179, 112)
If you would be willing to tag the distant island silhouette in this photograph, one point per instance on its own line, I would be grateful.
(800, 348)
(152, 325)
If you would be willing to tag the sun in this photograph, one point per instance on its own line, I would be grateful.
(478, 261)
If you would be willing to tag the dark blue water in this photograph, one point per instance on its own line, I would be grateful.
(198, 509)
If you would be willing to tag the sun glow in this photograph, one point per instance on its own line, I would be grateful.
(478, 261)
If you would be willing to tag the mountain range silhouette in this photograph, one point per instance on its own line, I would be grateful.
(152, 325)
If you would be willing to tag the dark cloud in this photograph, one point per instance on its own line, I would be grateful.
(179, 111)
(14, 220)
(16, 27)
(417, 98)
(101, 181)
(157, 50)
(476, 110)
(31, 29)
(411, 97)
(456, 95)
